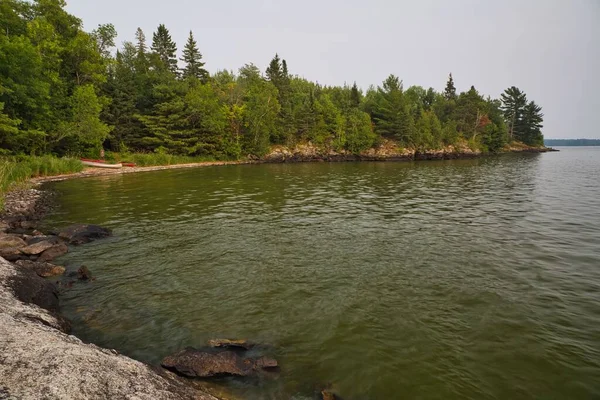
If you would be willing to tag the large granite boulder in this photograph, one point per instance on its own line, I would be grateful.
(82, 233)
(204, 364)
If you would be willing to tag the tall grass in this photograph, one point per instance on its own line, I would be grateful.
(154, 159)
(17, 170)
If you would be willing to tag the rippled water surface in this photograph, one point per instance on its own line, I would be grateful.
(432, 280)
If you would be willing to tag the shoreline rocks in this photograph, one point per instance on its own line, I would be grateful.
(39, 357)
(83, 233)
(195, 363)
(42, 269)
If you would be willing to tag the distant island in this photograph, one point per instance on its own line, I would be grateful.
(572, 142)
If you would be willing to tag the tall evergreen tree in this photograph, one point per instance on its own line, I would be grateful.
(450, 91)
(355, 96)
(513, 104)
(391, 114)
(532, 124)
(141, 46)
(274, 71)
(284, 70)
(193, 61)
(165, 48)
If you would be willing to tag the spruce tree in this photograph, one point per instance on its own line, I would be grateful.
(274, 72)
(165, 48)
(354, 96)
(450, 91)
(284, 70)
(140, 37)
(193, 61)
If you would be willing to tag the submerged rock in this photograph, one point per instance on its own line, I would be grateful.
(231, 343)
(204, 364)
(54, 252)
(43, 269)
(327, 394)
(84, 274)
(81, 233)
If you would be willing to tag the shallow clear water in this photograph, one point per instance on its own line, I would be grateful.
(428, 280)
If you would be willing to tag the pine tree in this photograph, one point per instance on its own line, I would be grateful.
(165, 48)
(450, 91)
(513, 104)
(532, 124)
(391, 114)
(193, 61)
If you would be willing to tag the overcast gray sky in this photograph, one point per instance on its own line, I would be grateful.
(548, 48)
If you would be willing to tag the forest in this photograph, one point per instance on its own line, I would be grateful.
(64, 91)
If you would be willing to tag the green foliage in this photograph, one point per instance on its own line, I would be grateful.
(85, 127)
(65, 91)
(391, 112)
(359, 135)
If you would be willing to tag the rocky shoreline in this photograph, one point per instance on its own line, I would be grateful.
(386, 151)
(40, 360)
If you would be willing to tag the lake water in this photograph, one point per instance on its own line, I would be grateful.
(429, 280)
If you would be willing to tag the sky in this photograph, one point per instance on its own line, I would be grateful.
(548, 48)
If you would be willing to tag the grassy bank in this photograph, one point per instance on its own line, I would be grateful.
(15, 171)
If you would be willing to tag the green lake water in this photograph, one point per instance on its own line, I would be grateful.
(460, 279)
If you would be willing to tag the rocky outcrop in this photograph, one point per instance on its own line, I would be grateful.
(204, 364)
(82, 233)
(40, 361)
(388, 150)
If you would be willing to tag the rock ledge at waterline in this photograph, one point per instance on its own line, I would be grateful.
(41, 361)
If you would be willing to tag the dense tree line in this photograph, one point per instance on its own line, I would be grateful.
(65, 91)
